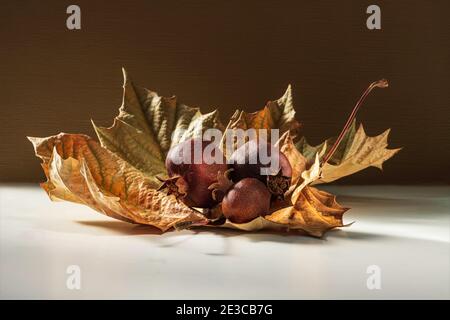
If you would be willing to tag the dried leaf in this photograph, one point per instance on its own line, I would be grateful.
(78, 169)
(296, 159)
(148, 125)
(356, 152)
(278, 114)
(309, 176)
(118, 177)
(314, 212)
(309, 152)
(257, 224)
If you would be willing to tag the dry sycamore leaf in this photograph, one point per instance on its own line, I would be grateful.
(311, 210)
(257, 224)
(278, 114)
(301, 176)
(148, 125)
(314, 212)
(296, 159)
(309, 177)
(360, 153)
(309, 152)
(356, 152)
(119, 177)
(78, 169)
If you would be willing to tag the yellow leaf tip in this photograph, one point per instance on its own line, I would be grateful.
(288, 93)
(126, 77)
(34, 140)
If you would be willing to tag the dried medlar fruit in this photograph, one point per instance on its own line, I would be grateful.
(247, 163)
(189, 181)
(246, 200)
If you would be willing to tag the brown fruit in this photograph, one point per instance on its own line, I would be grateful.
(278, 181)
(190, 181)
(246, 200)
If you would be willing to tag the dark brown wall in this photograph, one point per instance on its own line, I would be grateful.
(227, 54)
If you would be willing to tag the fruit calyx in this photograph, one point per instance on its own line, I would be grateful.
(224, 183)
(175, 185)
(278, 184)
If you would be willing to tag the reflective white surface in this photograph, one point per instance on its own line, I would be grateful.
(405, 231)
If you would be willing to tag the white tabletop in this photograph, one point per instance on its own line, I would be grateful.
(403, 231)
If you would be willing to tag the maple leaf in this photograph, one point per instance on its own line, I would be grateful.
(119, 176)
(314, 212)
(356, 152)
(148, 125)
(278, 114)
(296, 159)
(79, 170)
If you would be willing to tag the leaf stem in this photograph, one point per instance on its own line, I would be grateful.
(383, 83)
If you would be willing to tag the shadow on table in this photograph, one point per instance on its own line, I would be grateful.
(173, 239)
(294, 238)
(122, 228)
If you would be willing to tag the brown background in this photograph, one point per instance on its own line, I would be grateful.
(230, 54)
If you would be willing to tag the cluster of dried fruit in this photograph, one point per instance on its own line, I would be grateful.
(120, 177)
(245, 195)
